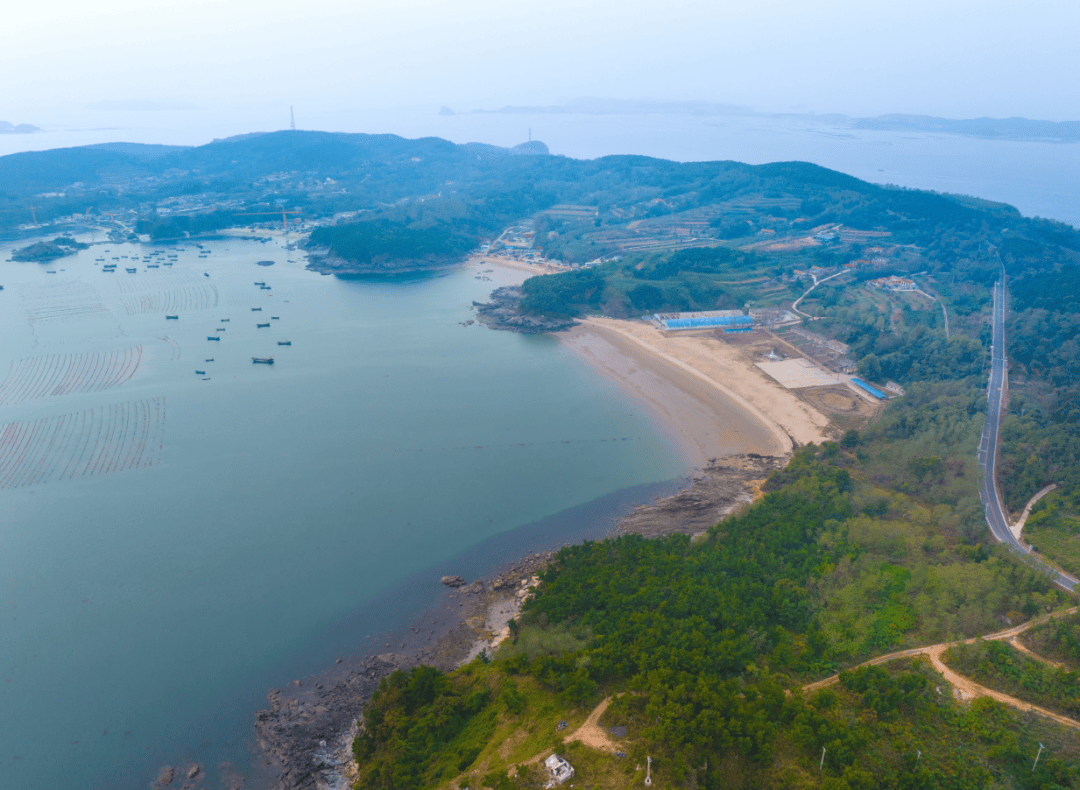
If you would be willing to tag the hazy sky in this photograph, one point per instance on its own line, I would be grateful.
(955, 58)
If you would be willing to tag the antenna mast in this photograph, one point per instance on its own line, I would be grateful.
(292, 119)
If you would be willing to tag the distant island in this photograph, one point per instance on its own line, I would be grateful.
(988, 128)
(44, 251)
(22, 128)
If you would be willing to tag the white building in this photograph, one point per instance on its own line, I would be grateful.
(559, 770)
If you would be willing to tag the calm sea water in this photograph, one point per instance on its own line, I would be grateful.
(171, 547)
(173, 543)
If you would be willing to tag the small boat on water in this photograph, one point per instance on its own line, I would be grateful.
(274, 318)
(152, 266)
(225, 320)
(256, 309)
(264, 287)
(130, 271)
(205, 274)
(260, 283)
(206, 378)
(284, 342)
(172, 318)
(264, 263)
(262, 360)
(260, 326)
(220, 329)
(210, 360)
(213, 338)
(200, 372)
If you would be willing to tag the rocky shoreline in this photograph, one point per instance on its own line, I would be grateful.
(504, 312)
(722, 488)
(304, 738)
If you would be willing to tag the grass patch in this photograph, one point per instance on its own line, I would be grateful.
(1055, 531)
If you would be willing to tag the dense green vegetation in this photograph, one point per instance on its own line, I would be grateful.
(824, 570)
(1001, 667)
(1042, 434)
(44, 251)
(180, 227)
(430, 233)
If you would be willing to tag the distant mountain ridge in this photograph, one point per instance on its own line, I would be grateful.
(989, 128)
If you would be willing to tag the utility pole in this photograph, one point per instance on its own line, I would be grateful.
(1041, 747)
(821, 765)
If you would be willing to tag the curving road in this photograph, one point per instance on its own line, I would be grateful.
(988, 447)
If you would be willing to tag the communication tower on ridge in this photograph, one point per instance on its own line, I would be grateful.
(292, 119)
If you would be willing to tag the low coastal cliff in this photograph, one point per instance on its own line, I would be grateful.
(504, 312)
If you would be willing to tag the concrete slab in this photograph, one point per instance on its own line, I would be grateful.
(800, 373)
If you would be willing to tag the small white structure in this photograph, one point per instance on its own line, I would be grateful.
(559, 769)
(894, 388)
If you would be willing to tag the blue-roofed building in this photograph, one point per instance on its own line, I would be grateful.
(726, 320)
(872, 390)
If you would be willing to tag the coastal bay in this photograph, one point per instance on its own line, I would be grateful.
(147, 609)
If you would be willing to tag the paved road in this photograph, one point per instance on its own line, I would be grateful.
(995, 511)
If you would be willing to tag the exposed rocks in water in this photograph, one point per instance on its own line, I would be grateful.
(721, 488)
(305, 738)
(504, 312)
(165, 777)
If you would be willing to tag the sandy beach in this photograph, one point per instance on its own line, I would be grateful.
(714, 398)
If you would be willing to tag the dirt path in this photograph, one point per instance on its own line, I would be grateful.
(969, 689)
(1015, 642)
(592, 734)
(1018, 527)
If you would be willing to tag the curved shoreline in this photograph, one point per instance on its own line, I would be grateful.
(730, 441)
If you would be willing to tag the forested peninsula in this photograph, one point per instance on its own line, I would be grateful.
(736, 657)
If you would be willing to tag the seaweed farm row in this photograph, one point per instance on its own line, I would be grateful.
(96, 441)
(175, 300)
(150, 281)
(64, 374)
(63, 303)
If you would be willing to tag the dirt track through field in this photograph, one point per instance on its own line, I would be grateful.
(594, 736)
(969, 689)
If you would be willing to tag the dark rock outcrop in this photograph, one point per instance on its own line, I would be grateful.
(504, 312)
